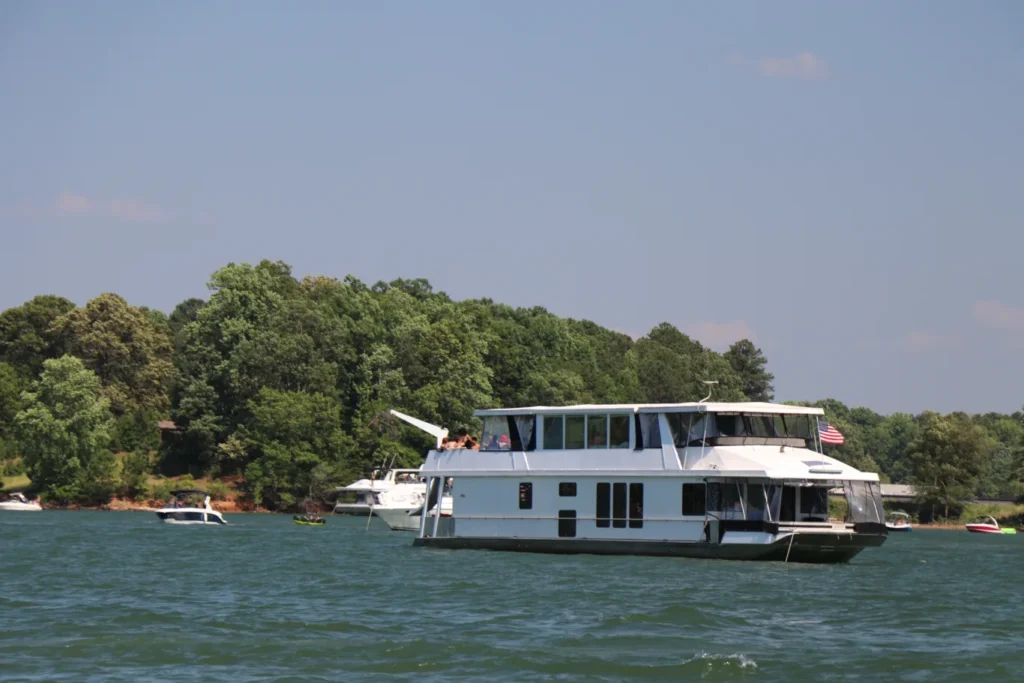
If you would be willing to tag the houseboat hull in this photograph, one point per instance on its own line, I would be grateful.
(818, 548)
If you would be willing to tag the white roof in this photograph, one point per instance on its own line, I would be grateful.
(773, 462)
(744, 407)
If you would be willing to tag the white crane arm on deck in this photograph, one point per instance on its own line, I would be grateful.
(433, 430)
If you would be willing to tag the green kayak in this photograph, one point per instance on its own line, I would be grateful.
(309, 521)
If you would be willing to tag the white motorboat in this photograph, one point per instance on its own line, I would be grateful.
(376, 491)
(184, 511)
(16, 502)
(745, 481)
(897, 520)
(404, 518)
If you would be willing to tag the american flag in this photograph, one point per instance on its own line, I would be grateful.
(829, 434)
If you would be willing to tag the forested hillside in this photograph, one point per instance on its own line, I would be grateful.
(283, 385)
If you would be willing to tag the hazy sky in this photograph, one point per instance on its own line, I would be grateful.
(842, 182)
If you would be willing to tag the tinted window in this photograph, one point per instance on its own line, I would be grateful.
(604, 504)
(553, 432)
(679, 425)
(618, 431)
(566, 523)
(650, 432)
(496, 435)
(619, 505)
(694, 500)
(574, 431)
(567, 488)
(636, 506)
(526, 496)
(730, 425)
(597, 431)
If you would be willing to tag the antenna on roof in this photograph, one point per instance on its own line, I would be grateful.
(709, 382)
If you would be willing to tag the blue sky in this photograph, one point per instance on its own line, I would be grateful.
(839, 181)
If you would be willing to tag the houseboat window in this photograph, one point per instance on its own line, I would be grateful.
(524, 436)
(814, 503)
(526, 496)
(743, 428)
(732, 500)
(730, 425)
(567, 524)
(714, 497)
(597, 431)
(759, 425)
(694, 500)
(618, 431)
(619, 505)
(636, 506)
(679, 425)
(496, 434)
(604, 504)
(787, 511)
(864, 499)
(553, 428)
(575, 432)
(567, 488)
(755, 501)
(650, 431)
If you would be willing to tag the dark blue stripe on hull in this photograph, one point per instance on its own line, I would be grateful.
(814, 548)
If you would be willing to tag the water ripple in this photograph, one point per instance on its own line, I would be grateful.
(120, 597)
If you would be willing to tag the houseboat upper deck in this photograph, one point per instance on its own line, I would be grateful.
(731, 480)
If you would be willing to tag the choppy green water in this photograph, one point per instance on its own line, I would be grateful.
(92, 596)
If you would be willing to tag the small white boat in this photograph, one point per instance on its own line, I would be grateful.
(988, 525)
(392, 488)
(16, 502)
(403, 518)
(182, 511)
(898, 520)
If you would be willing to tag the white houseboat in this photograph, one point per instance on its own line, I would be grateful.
(718, 480)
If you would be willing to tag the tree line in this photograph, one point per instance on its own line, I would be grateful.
(284, 385)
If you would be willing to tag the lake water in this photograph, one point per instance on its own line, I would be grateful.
(100, 596)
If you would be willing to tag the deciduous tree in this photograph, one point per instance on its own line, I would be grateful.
(63, 430)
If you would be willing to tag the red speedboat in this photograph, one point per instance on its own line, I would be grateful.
(984, 525)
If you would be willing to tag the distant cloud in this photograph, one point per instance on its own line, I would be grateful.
(804, 65)
(72, 204)
(720, 335)
(999, 316)
(133, 210)
(926, 341)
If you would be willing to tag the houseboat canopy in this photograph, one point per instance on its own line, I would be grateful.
(744, 407)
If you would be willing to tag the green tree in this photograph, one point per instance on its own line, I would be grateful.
(947, 458)
(119, 343)
(26, 338)
(135, 471)
(671, 367)
(291, 439)
(63, 430)
(749, 363)
(11, 387)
